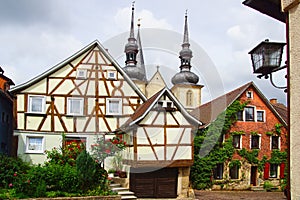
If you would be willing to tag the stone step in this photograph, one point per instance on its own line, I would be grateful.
(119, 189)
(113, 185)
(125, 193)
(129, 197)
(257, 188)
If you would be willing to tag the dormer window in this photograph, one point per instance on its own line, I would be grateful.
(168, 105)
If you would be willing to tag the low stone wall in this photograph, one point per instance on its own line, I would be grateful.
(112, 197)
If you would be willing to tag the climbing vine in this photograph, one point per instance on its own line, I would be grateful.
(208, 153)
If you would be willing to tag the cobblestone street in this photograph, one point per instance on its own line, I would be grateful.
(237, 195)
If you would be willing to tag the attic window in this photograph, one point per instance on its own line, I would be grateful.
(168, 105)
(249, 94)
(111, 75)
(81, 73)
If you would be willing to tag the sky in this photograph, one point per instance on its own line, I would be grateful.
(36, 35)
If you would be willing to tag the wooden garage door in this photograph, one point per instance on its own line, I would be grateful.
(153, 183)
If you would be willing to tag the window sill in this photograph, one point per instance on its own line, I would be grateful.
(35, 152)
(70, 115)
(35, 114)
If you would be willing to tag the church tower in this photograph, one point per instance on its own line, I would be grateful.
(135, 67)
(185, 86)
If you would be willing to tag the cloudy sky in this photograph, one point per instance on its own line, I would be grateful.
(37, 34)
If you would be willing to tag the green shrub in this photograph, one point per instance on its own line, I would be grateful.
(268, 185)
(10, 169)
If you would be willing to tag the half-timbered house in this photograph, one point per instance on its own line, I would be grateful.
(88, 94)
(160, 152)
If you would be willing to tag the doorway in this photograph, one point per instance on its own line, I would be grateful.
(253, 178)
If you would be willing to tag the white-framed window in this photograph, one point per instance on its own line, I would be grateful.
(274, 142)
(249, 113)
(237, 141)
(36, 104)
(111, 75)
(113, 106)
(81, 73)
(249, 94)
(34, 144)
(255, 142)
(260, 115)
(75, 106)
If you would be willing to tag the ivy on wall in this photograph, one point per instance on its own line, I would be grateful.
(209, 150)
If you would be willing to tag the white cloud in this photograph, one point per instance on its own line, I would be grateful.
(123, 17)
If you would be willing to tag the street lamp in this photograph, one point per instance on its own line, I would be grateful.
(266, 58)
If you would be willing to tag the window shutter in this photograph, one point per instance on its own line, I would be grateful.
(282, 166)
(267, 170)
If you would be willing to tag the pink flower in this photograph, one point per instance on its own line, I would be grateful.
(10, 185)
(15, 174)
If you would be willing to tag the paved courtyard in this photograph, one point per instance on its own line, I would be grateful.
(238, 195)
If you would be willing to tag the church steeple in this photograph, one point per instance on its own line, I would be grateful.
(185, 76)
(134, 68)
(140, 57)
(185, 54)
(131, 48)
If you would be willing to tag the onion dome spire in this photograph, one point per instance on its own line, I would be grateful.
(185, 76)
(131, 48)
(140, 57)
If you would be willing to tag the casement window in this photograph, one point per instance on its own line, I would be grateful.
(218, 171)
(249, 94)
(239, 116)
(237, 141)
(275, 142)
(260, 116)
(189, 98)
(34, 144)
(234, 172)
(273, 170)
(249, 113)
(113, 106)
(36, 104)
(75, 106)
(81, 74)
(111, 75)
(255, 142)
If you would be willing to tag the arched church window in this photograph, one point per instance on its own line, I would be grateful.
(189, 98)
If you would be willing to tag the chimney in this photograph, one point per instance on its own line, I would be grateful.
(273, 101)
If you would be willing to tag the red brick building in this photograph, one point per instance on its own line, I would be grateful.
(259, 137)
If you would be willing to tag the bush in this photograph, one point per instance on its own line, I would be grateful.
(268, 185)
(10, 168)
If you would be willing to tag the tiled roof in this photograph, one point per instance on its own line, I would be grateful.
(208, 112)
(141, 112)
(282, 110)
